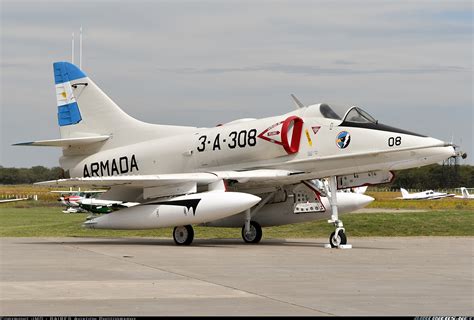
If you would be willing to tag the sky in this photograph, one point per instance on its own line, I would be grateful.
(201, 63)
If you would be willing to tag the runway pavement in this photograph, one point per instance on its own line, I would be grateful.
(93, 276)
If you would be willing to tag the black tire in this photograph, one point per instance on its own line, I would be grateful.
(336, 241)
(255, 234)
(183, 235)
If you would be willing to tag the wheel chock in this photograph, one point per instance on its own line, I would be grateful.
(341, 246)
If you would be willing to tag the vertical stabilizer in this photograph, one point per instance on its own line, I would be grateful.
(84, 110)
(405, 193)
(464, 192)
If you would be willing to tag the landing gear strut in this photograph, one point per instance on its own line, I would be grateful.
(251, 230)
(183, 235)
(338, 238)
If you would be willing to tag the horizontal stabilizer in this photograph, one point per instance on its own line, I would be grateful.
(64, 142)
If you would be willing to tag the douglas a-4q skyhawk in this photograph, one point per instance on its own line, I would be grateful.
(247, 173)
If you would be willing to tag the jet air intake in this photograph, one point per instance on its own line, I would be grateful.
(286, 133)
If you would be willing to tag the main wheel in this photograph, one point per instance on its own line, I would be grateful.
(336, 240)
(255, 233)
(183, 235)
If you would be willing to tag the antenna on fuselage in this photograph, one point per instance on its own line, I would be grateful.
(298, 103)
(80, 48)
(72, 48)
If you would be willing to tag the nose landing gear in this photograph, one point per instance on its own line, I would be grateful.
(338, 238)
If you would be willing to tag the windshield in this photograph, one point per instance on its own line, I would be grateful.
(358, 115)
(339, 112)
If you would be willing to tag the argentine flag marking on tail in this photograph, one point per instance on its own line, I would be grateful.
(68, 110)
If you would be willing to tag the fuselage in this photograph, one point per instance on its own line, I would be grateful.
(302, 140)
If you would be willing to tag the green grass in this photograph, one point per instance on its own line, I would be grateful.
(39, 221)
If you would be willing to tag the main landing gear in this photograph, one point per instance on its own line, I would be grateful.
(251, 230)
(338, 238)
(254, 235)
(183, 235)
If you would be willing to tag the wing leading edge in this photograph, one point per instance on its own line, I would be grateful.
(144, 181)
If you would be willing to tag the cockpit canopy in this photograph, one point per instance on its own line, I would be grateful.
(351, 117)
(343, 113)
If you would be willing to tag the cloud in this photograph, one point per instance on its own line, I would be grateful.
(310, 70)
(201, 63)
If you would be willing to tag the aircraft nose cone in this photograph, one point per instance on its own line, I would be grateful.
(423, 151)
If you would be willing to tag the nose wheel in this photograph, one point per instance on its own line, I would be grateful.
(337, 238)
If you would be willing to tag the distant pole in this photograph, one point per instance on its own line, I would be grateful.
(80, 48)
(72, 49)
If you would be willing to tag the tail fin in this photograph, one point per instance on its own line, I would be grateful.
(464, 192)
(404, 192)
(84, 110)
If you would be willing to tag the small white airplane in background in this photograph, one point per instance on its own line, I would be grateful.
(71, 199)
(248, 173)
(86, 201)
(424, 195)
(464, 194)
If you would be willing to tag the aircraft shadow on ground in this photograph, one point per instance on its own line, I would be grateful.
(199, 243)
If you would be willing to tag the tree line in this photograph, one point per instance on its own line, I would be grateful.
(29, 175)
(434, 177)
(429, 177)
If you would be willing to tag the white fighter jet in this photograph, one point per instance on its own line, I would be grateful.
(247, 173)
(424, 195)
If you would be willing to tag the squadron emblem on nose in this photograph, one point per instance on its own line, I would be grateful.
(343, 139)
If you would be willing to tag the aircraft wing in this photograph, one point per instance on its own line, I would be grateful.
(200, 178)
(142, 187)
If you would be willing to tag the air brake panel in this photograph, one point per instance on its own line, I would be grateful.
(306, 200)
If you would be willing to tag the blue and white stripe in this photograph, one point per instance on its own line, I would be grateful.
(68, 110)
